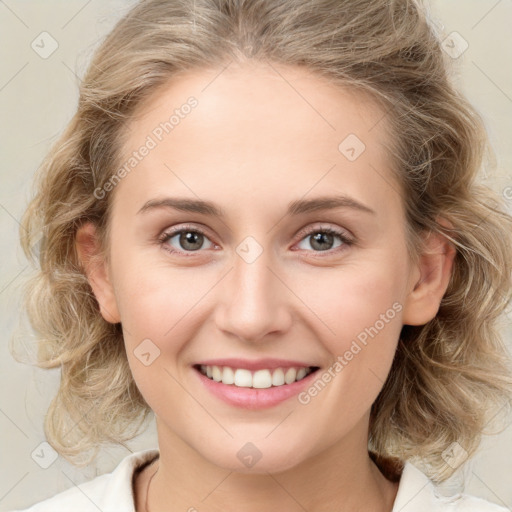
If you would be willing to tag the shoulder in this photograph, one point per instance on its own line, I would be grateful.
(111, 492)
(416, 493)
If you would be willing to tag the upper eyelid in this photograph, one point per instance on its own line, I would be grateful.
(307, 231)
(171, 232)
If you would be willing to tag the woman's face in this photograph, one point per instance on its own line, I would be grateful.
(252, 268)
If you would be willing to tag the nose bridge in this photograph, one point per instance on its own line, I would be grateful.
(254, 301)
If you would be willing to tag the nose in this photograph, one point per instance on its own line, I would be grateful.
(255, 302)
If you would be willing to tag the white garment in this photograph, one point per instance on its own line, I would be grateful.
(113, 492)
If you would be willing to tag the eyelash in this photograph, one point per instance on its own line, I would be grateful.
(346, 242)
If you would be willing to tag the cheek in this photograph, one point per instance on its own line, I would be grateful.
(162, 304)
(365, 306)
(159, 319)
(157, 301)
(154, 305)
(360, 308)
(354, 299)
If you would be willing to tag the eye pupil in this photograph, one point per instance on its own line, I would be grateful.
(320, 239)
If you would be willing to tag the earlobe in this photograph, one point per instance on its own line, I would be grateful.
(95, 267)
(431, 277)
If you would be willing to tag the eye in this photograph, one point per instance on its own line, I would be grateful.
(190, 239)
(323, 239)
(184, 239)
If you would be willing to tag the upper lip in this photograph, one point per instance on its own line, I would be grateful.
(255, 364)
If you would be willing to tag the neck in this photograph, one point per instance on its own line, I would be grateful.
(341, 478)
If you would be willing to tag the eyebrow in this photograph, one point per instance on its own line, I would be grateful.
(297, 207)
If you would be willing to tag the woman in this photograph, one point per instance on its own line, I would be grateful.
(262, 225)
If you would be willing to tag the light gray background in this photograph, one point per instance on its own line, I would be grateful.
(38, 97)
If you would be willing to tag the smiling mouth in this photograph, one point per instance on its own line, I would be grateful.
(259, 379)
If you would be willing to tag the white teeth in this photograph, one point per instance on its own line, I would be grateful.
(228, 375)
(290, 375)
(216, 374)
(301, 373)
(278, 377)
(243, 378)
(260, 379)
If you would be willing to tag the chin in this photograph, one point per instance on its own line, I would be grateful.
(253, 458)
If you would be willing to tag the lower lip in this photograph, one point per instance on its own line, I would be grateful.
(251, 398)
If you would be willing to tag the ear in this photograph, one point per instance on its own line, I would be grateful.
(430, 279)
(88, 250)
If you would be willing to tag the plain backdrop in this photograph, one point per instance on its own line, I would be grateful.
(38, 96)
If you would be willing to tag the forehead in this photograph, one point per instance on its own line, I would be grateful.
(260, 130)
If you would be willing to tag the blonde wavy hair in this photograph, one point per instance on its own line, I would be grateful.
(449, 377)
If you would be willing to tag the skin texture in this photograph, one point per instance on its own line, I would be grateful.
(254, 143)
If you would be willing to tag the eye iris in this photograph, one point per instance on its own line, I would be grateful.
(189, 238)
(321, 238)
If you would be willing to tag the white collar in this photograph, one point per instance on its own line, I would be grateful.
(113, 492)
(417, 493)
